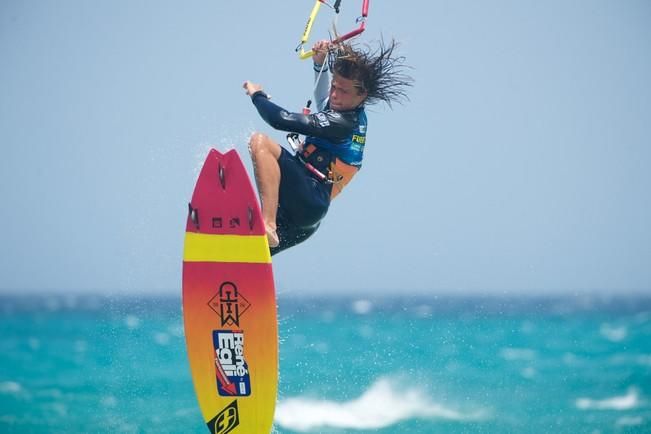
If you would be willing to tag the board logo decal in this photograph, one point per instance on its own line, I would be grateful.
(229, 304)
(226, 421)
(232, 371)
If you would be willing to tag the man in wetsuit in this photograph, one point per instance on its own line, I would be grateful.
(296, 191)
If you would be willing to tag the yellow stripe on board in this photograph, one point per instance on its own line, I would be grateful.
(226, 248)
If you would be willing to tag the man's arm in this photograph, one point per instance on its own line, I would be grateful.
(321, 75)
(322, 86)
(325, 124)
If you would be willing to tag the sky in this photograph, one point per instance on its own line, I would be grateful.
(519, 165)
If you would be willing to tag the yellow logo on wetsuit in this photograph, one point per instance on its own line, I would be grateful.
(359, 139)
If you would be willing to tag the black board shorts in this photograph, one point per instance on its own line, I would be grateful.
(303, 201)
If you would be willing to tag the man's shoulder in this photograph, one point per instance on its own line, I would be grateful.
(354, 115)
(329, 116)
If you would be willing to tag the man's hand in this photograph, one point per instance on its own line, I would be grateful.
(251, 88)
(320, 51)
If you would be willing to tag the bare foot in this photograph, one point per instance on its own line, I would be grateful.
(272, 236)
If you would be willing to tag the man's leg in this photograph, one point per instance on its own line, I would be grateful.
(265, 154)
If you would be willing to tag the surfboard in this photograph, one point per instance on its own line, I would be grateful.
(229, 303)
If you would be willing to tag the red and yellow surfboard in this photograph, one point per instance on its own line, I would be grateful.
(229, 303)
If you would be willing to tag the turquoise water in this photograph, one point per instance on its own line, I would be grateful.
(390, 365)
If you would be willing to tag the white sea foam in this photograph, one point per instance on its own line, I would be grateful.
(10, 388)
(517, 354)
(384, 404)
(571, 359)
(529, 372)
(184, 412)
(57, 409)
(626, 402)
(161, 338)
(423, 311)
(630, 421)
(176, 330)
(613, 333)
(362, 307)
(321, 347)
(644, 359)
(132, 322)
(109, 401)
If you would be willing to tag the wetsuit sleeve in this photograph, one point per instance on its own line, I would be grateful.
(327, 124)
(322, 86)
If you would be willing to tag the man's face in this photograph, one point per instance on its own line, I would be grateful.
(344, 95)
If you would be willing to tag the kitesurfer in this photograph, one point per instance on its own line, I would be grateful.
(296, 190)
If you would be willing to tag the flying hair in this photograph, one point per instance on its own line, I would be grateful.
(379, 72)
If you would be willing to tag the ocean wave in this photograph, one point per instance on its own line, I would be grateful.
(385, 403)
(626, 402)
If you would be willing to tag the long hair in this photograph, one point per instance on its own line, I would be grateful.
(380, 72)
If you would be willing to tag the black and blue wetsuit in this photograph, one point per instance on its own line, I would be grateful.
(334, 145)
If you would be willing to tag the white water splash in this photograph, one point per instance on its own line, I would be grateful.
(226, 138)
(626, 402)
(382, 405)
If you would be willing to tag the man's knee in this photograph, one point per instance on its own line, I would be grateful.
(260, 144)
(257, 143)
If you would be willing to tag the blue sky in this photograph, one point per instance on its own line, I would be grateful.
(519, 166)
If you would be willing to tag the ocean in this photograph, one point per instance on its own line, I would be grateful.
(402, 364)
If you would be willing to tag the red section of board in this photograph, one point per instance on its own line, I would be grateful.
(223, 202)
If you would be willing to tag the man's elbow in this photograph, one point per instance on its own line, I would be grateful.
(276, 123)
(284, 121)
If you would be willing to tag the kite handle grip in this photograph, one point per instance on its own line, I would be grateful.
(360, 29)
(302, 54)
